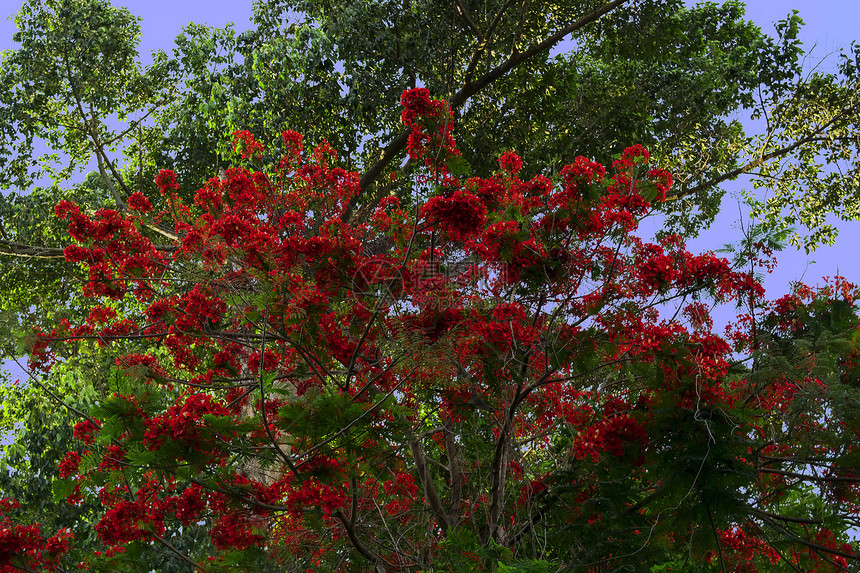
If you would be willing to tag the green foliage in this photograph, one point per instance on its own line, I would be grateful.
(76, 67)
(28, 465)
(658, 73)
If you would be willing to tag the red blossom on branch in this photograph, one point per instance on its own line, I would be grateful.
(245, 144)
(139, 202)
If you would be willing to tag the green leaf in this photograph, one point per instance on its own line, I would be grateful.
(63, 488)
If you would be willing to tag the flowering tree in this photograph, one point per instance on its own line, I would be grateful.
(484, 376)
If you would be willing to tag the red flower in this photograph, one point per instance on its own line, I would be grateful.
(417, 103)
(66, 210)
(129, 521)
(78, 254)
(112, 458)
(630, 156)
(84, 431)
(461, 216)
(139, 203)
(293, 142)
(245, 144)
(234, 531)
(662, 181)
(166, 181)
(69, 464)
(577, 177)
(510, 163)
(190, 504)
(101, 315)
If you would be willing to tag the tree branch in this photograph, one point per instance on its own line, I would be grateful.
(262, 383)
(753, 164)
(789, 519)
(430, 493)
(359, 545)
(454, 473)
(497, 487)
(482, 43)
(91, 130)
(809, 544)
(14, 249)
(806, 477)
(468, 19)
(176, 551)
(516, 59)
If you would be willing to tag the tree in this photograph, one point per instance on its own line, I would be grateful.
(482, 380)
(642, 71)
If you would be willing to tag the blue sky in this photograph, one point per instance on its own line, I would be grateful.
(830, 25)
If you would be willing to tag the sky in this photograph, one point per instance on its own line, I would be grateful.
(830, 25)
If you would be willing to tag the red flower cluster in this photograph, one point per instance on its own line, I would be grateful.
(621, 436)
(130, 521)
(431, 122)
(190, 504)
(578, 179)
(418, 105)
(461, 216)
(23, 547)
(166, 182)
(84, 431)
(743, 548)
(315, 494)
(139, 202)
(245, 144)
(69, 464)
(293, 144)
(184, 423)
(101, 315)
(510, 163)
(235, 531)
(118, 251)
(402, 492)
